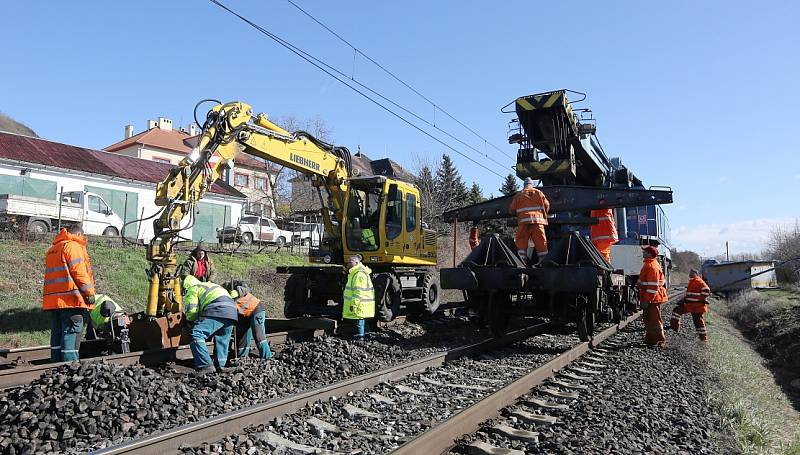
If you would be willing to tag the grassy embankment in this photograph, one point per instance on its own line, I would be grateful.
(751, 394)
(120, 273)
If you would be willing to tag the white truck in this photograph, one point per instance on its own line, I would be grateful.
(41, 215)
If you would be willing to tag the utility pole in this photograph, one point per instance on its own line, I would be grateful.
(727, 253)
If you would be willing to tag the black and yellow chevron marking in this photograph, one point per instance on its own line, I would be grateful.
(535, 169)
(544, 101)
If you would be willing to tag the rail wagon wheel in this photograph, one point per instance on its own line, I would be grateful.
(295, 295)
(498, 315)
(387, 296)
(431, 293)
(584, 319)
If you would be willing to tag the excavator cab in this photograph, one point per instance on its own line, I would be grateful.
(382, 223)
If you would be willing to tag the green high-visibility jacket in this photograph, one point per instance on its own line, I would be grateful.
(199, 295)
(368, 239)
(98, 320)
(359, 295)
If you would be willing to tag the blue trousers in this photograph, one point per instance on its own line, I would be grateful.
(361, 329)
(205, 328)
(66, 333)
(255, 325)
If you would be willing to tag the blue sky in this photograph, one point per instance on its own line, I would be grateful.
(700, 96)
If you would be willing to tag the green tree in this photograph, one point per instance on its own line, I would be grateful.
(510, 185)
(450, 188)
(475, 194)
(426, 182)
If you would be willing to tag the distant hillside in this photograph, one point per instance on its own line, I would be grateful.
(10, 125)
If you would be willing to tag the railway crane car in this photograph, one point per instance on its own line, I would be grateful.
(558, 147)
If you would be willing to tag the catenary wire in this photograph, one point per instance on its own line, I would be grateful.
(344, 81)
(398, 79)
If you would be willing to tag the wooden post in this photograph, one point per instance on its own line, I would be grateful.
(60, 201)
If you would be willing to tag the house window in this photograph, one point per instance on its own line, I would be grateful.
(161, 160)
(241, 180)
(261, 183)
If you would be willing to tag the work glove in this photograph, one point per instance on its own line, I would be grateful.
(92, 299)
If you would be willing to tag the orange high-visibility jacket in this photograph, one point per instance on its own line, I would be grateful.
(605, 231)
(531, 206)
(697, 291)
(651, 282)
(68, 276)
(247, 304)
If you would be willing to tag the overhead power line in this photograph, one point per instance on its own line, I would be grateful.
(330, 71)
(398, 79)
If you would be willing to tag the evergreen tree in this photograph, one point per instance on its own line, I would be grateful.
(475, 194)
(510, 185)
(450, 188)
(426, 183)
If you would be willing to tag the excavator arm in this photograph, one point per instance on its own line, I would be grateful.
(230, 129)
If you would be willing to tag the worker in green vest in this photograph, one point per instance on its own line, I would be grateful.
(212, 313)
(359, 296)
(104, 309)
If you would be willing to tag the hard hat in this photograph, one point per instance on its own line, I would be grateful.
(650, 251)
(528, 181)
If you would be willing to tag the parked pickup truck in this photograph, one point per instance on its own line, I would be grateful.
(41, 215)
(254, 229)
(306, 234)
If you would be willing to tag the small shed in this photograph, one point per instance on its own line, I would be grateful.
(725, 277)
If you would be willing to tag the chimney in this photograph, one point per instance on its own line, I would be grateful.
(193, 129)
(164, 124)
(151, 124)
(128, 131)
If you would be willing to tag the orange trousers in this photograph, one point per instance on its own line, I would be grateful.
(604, 247)
(531, 231)
(697, 317)
(653, 326)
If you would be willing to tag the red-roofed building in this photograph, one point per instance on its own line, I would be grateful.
(39, 168)
(162, 143)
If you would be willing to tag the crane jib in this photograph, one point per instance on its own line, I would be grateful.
(304, 161)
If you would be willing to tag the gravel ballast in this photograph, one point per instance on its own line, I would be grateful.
(646, 400)
(89, 405)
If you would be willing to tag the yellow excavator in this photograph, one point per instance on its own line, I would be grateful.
(374, 216)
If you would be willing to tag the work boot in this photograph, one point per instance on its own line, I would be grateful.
(205, 371)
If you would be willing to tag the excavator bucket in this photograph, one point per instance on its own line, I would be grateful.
(147, 332)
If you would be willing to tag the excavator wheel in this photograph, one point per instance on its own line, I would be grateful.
(295, 295)
(387, 296)
(431, 292)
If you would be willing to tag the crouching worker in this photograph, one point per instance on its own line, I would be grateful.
(252, 321)
(697, 291)
(212, 312)
(359, 296)
(110, 322)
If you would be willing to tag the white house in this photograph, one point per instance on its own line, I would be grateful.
(37, 167)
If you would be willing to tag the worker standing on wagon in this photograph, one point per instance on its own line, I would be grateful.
(359, 296)
(604, 233)
(530, 206)
(652, 293)
(695, 302)
(68, 292)
(199, 264)
(213, 313)
(252, 321)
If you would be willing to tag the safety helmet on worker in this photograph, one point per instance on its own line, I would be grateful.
(528, 181)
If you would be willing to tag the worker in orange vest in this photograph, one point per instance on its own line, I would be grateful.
(252, 320)
(530, 206)
(604, 233)
(697, 291)
(474, 241)
(68, 292)
(652, 293)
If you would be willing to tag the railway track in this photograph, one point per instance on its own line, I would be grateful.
(368, 413)
(220, 426)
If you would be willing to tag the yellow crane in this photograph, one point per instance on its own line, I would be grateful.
(376, 217)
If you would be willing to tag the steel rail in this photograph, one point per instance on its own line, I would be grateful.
(442, 437)
(22, 375)
(218, 427)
